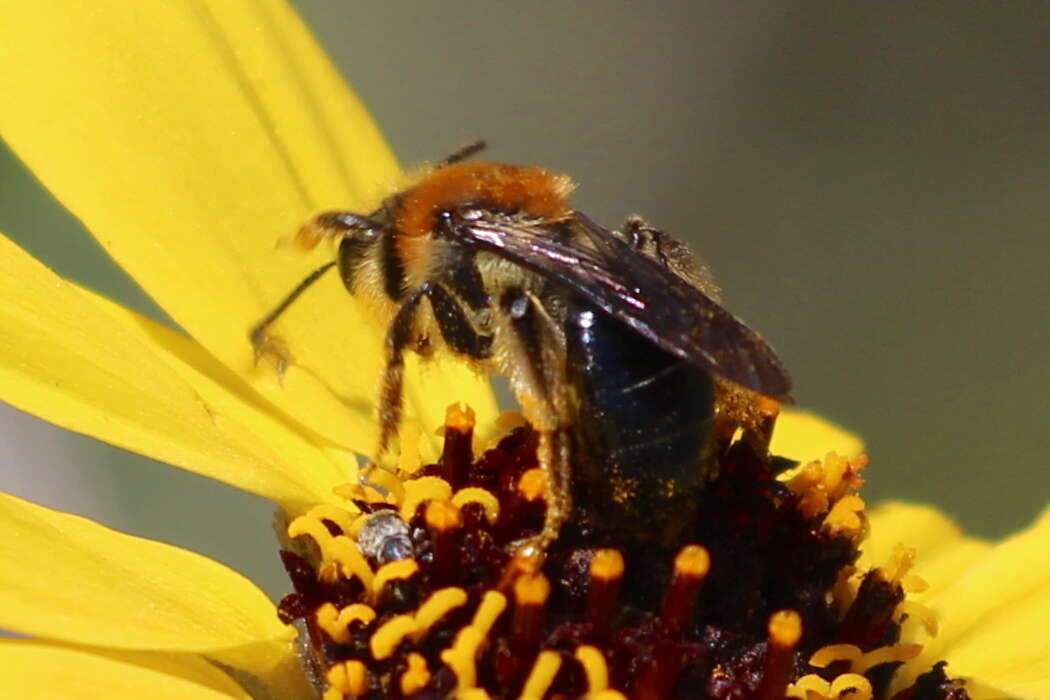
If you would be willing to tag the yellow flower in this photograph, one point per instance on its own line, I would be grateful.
(189, 137)
(990, 603)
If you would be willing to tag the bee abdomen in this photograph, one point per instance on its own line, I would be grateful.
(642, 421)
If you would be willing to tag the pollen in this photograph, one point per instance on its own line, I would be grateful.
(860, 661)
(480, 496)
(339, 555)
(417, 592)
(394, 571)
(337, 516)
(346, 679)
(784, 632)
(421, 490)
(846, 516)
(348, 560)
(533, 484)
(380, 479)
(387, 638)
(442, 516)
(531, 591)
(547, 665)
(594, 667)
(461, 655)
(336, 623)
(459, 418)
(829, 489)
(437, 606)
(848, 686)
(416, 676)
(785, 629)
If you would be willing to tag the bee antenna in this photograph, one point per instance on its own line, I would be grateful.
(258, 331)
(462, 153)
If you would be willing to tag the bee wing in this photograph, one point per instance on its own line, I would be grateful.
(638, 291)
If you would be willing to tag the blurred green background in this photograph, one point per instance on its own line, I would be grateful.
(869, 181)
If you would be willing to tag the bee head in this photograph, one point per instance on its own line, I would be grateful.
(356, 234)
(338, 225)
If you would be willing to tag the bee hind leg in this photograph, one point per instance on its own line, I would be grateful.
(670, 252)
(553, 454)
(554, 458)
(539, 386)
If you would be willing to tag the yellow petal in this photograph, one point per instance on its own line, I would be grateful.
(88, 366)
(942, 550)
(190, 136)
(433, 387)
(39, 671)
(994, 618)
(67, 578)
(805, 436)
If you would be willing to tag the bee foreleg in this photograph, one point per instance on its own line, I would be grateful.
(456, 329)
(398, 337)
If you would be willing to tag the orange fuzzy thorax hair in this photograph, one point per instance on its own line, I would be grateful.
(509, 188)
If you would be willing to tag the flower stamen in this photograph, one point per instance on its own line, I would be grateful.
(336, 623)
(603, 591)
(690, 569)
(530, 596)
(460, 657)
(390, 635)
(785, 631)
(415, 588)
(547, 665)
(400, 570)
(436, 607)
(348, 678)
(416, 676)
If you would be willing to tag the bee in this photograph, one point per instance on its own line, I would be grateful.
(614, 343)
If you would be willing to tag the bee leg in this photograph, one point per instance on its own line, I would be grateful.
(636, 231)
(538, 385)
(669, 252)
(455, 327)
(559, 498)
(398, 336)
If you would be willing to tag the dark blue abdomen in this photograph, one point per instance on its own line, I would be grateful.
(642, 427)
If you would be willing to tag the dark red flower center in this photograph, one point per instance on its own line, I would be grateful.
(418, 597)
